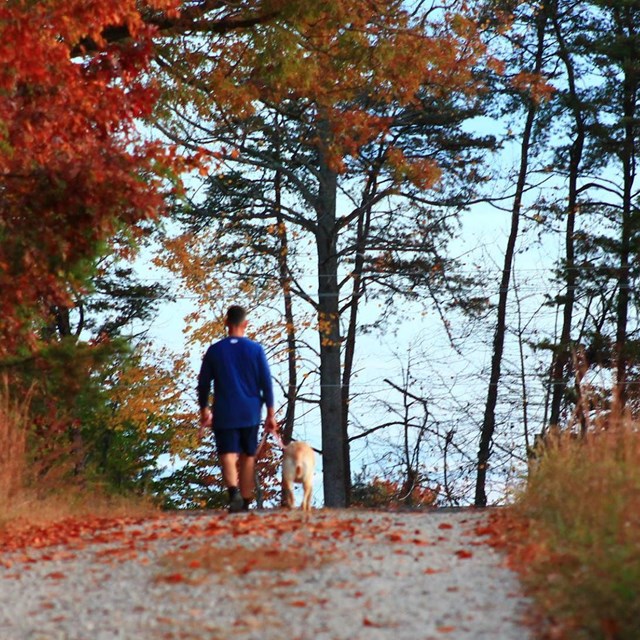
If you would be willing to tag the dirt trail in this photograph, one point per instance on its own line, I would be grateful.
(269, 576)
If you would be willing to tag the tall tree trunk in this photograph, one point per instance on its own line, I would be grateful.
(562, 355)
(350, 340)
(489, 419)
(285, 286)
(630, 88)
(333, 446)
(292, 369)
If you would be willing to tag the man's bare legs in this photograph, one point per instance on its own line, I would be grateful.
(243, 477)
(229, 463)
(247, 476)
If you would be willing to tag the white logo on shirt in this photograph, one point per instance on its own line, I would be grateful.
(234, 340)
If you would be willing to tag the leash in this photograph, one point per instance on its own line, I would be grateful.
(277, 439)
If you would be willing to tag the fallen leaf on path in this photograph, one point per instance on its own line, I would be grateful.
(171, 578)
(56, 575)
(420, 543)
(370, 623)
(285, 583)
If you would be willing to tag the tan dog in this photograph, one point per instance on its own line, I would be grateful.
(298, 465)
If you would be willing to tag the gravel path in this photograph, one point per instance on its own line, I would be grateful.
(268, 576)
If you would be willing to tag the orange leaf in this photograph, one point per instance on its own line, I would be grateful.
(370, 623)
(463, 553)
(298, 603)
(445, 525)
(446, 629)
(420, 543)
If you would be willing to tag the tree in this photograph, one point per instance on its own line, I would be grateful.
(532, 70)
(598, 267)
(616, 54)
(339, 142)
(73, 169)
(573, 100)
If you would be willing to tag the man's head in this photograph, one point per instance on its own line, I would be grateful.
(236, 318)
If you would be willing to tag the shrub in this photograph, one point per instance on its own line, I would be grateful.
(582, 504)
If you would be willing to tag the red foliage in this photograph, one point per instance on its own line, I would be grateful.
(73, 168)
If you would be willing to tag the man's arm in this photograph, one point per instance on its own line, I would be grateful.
(266, 385)
(204, 387)
(270, 423)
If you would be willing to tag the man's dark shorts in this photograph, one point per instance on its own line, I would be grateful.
(242, 440)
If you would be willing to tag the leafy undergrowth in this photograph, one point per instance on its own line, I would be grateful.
(574, 535)
(33, 492)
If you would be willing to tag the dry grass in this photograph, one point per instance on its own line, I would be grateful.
(582, 505)
(14, 423)
(25, 500)
(35, 507)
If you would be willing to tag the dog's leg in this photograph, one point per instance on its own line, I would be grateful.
(287, 493)
(306, 500)
(256, 480)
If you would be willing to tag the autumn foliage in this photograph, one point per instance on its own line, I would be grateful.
(73, 168)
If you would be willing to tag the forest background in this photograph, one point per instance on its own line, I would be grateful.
(430, 210)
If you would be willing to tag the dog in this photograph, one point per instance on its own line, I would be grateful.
(298, 465)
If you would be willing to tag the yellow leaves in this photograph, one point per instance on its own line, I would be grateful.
(142, 391)
(328, 328)
(354, 128)
(422, 172)
(534, 84)
(188, 256)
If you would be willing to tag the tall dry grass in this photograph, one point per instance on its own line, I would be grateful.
(14, 426)
(582, 504)
(40, 489)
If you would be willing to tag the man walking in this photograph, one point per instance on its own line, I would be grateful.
(241, 385)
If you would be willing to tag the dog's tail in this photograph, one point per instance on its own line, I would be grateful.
(299, 470)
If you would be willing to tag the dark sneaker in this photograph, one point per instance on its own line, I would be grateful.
(236, 503)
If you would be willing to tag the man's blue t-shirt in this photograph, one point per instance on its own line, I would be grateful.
(241, 382)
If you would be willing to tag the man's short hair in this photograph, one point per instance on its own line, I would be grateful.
(236, 315)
